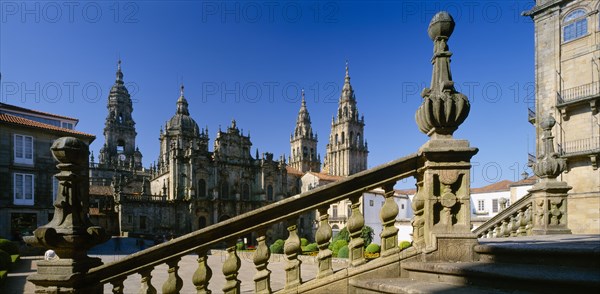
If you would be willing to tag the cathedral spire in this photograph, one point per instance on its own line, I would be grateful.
(182, 105)
(119, 73)
(303, 142)
(347, 91)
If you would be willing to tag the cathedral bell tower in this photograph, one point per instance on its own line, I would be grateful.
(119, 148)
(347, 149)
(303, 143)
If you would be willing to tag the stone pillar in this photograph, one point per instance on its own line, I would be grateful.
(549, 195)
(70, 233)
(444, 207)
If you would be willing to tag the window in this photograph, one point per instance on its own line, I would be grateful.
(202, 188)
(23, 149)
(67, 125)
(371, 202)
(402, 206)
(575, 25)
(349, 210)
(480, 205)
(142, 222)
(246, 192)
(23, 189)
(54, 188)
(334, 211)
(270, 193)
(494, 205)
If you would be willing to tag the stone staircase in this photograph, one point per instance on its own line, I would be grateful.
(540, 264)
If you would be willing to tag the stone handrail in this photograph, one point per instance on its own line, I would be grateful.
(256, 221)
(515, 220)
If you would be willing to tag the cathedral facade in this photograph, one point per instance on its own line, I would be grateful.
(191, 187)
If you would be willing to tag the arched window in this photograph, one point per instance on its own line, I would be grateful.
(358, 138)
(246, 192)
(270, 192)
(351, 136)
(304, 152)
(336, 139)
(224, 190)
(201, 188)
(575, 25)
(201, 222)
(343, 137)
(345, 111)
(312, 153)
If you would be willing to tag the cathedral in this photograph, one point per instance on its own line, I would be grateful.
(190, 186)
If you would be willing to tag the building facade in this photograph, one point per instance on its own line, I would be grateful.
(28, 187)
(567, 78)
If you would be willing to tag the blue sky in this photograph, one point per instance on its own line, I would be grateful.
(248, 60)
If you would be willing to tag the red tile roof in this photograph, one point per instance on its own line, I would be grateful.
(528, 181)
(17, 120)
(326, 177)
(17, 108)
(406, 191)
(292, 171)
(495, 187)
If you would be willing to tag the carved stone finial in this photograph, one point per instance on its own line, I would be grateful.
(443, 108)
(549, 164)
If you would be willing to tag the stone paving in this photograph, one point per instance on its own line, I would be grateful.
(17, 283)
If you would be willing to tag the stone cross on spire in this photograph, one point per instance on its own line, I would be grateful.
(119, 72)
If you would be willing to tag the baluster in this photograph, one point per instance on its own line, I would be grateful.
(512, 226)
(355, 226)
(323, 236)
(291, 248)
(174, 283)
(262, 278)
(147, 287)
(522, 221)
(528, 220)
(389, 211)
(505, 232)
(202, 274)
(118, 285)
(490, 233)
(231, 268)
(497, 231)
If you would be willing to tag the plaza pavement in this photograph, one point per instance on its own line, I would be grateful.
(16, 282)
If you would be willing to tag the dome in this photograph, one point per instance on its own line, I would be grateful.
(182, 121)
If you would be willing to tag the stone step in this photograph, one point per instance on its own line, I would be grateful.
(405, 285)
(526, 277)
(572, 250)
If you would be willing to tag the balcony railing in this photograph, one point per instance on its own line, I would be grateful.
(578, 93)
(580, 147)
(531, 115)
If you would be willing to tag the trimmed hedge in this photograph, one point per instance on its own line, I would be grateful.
(277, 247)
(240, 246)
(9, 247)
(303, 242)
(343, 252)
(404, 244)
(373, 248)
(311, 247)
(337, 246)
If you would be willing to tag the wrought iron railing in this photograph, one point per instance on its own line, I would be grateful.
(578, 93)
(581, 146)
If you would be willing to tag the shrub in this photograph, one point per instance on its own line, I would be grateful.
(277, 247)
(343, 252)
(9, 247)
(311, 247)
(303, 242)
(373, 248)
(5, 260)
(240, 246)
(404, 244)
(337, 245)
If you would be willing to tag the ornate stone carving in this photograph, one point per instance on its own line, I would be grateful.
(262, 281)
(231, 268)
(549, 165)
(291, 248)
(443, 108)
(389, 211)
(146, 287)
(355, 225)
(174, 283)
(322, 237)
(202, 274)
(418, 221)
